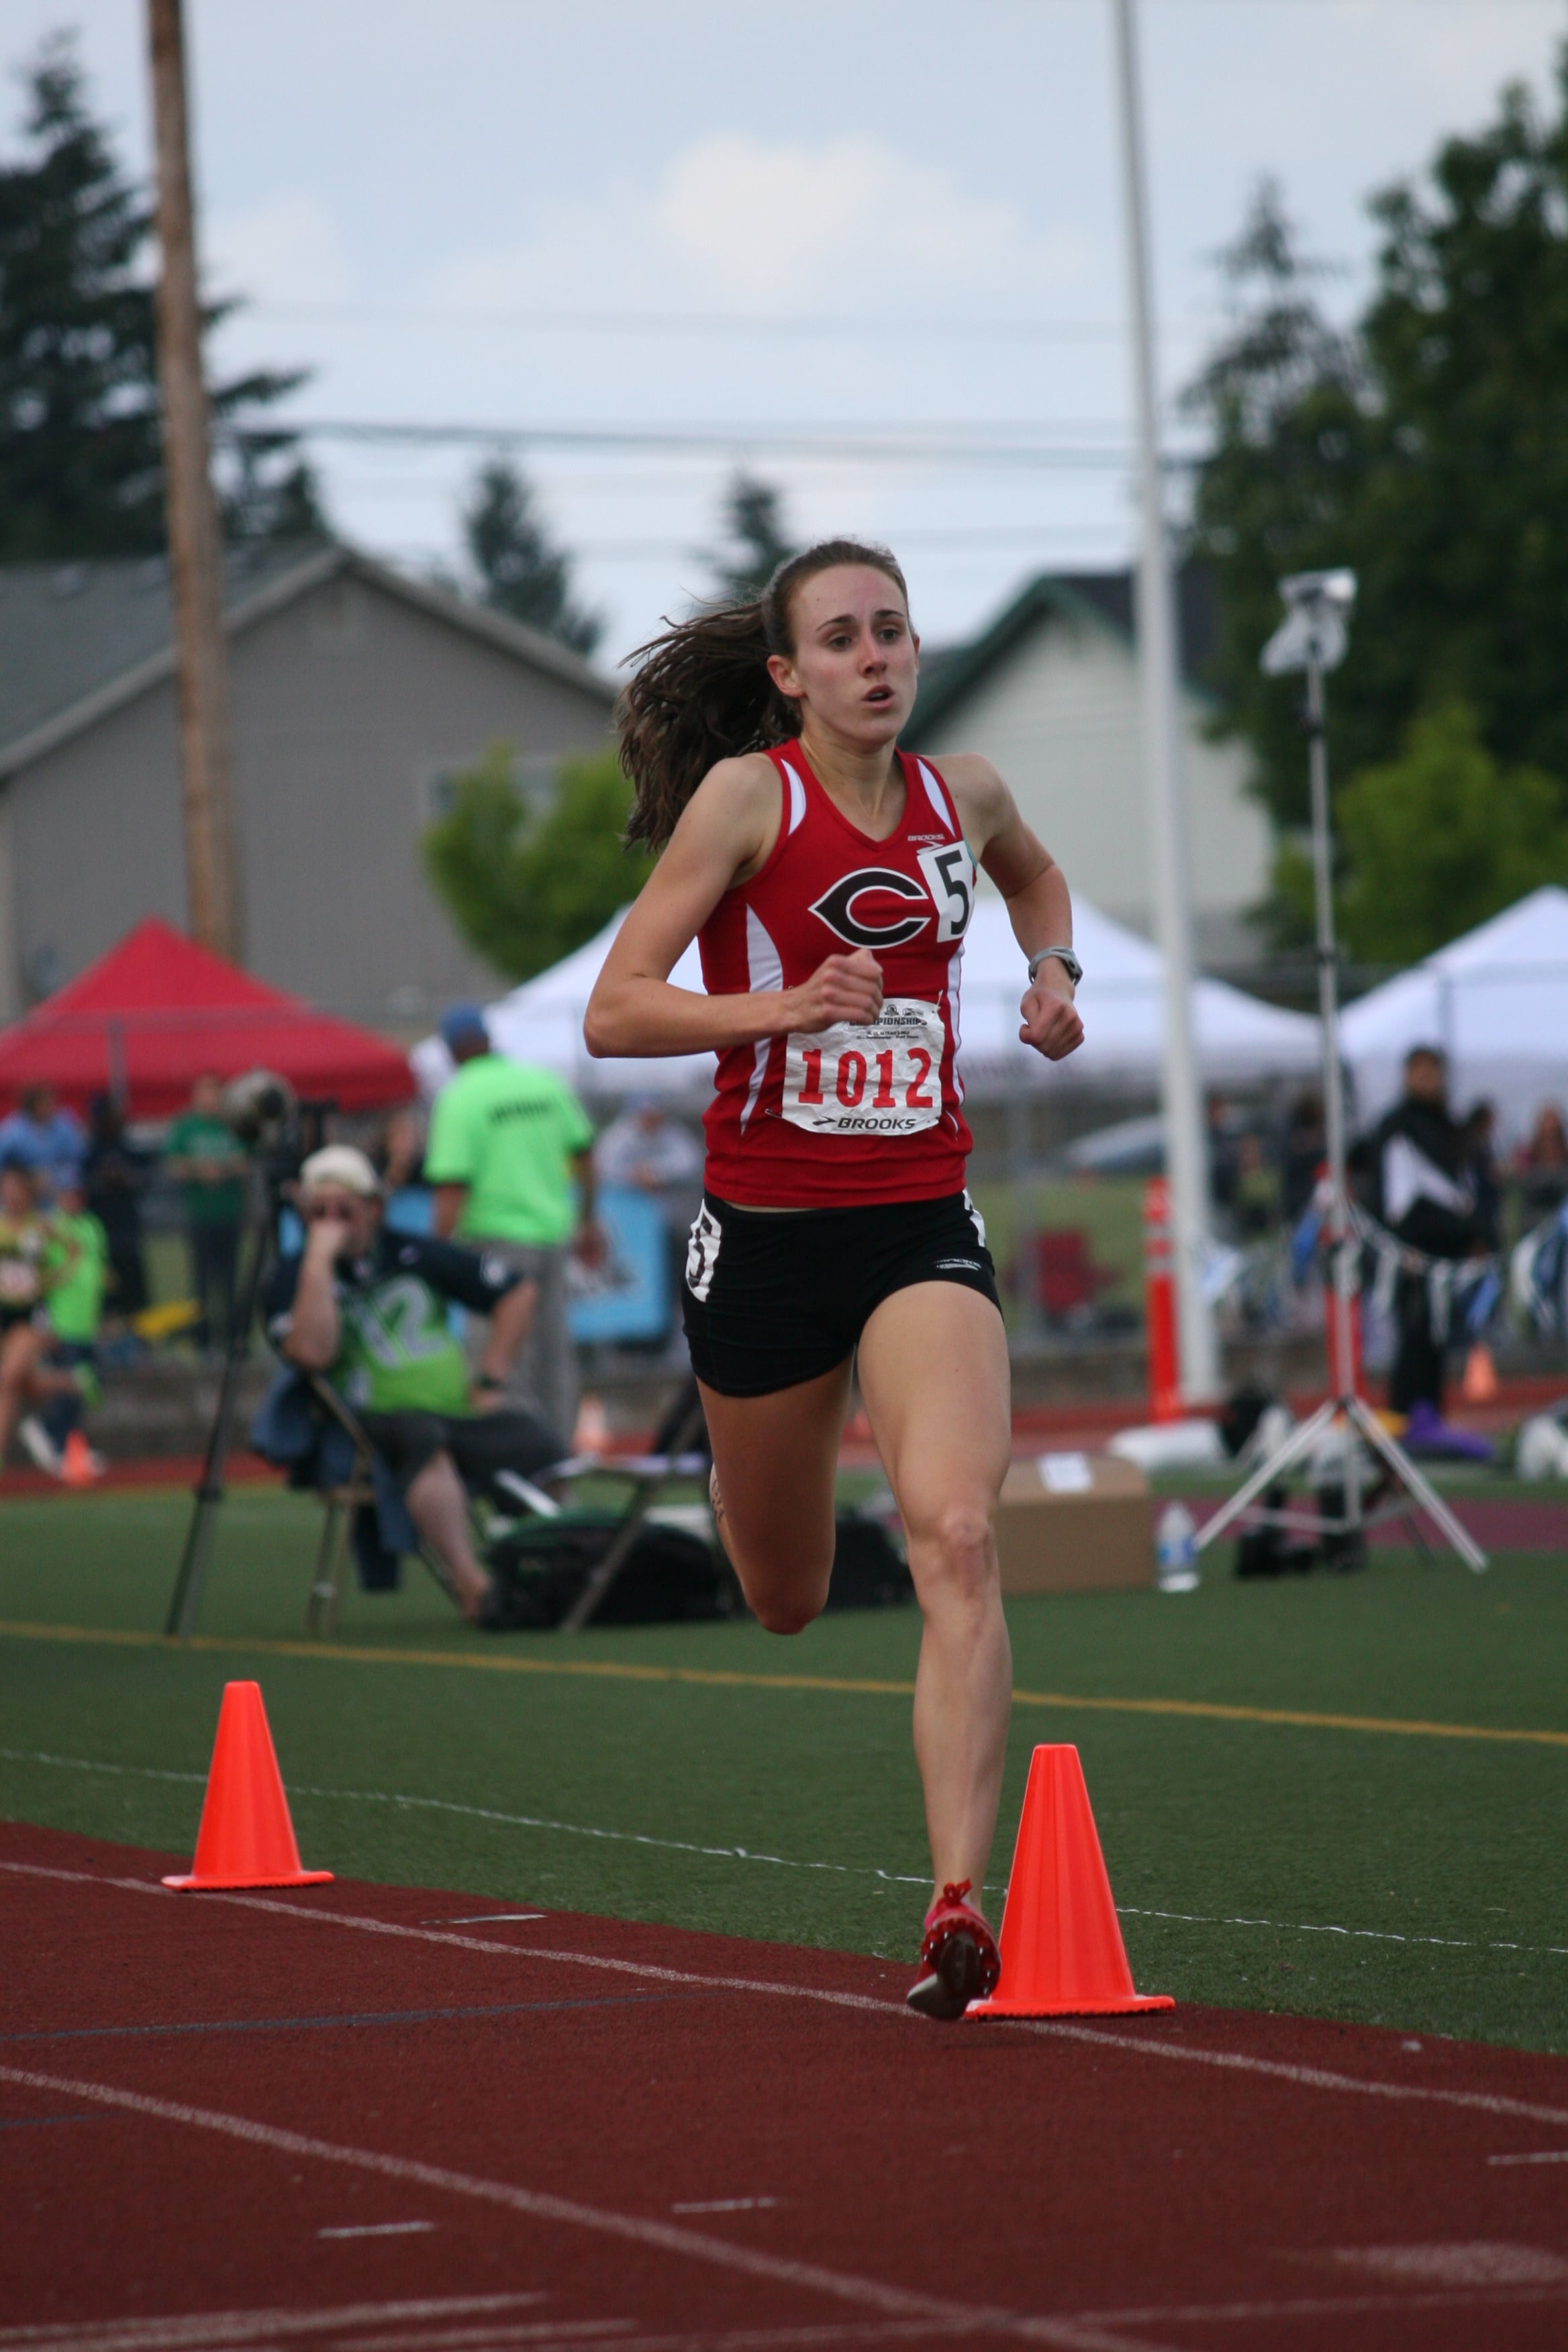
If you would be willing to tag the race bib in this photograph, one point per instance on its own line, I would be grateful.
(884, 1078)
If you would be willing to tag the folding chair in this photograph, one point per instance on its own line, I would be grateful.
(341, 1502)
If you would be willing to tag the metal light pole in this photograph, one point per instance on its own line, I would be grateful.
(194, 551)
(1186, 1140)
(1312, 638)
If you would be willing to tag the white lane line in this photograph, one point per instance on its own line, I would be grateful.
(251, 2327)
(366, 1926)
(1310, 2078)
(540, 2205)
(483, 1919)
(1541, 2156)
(542, 2332)
(378, 2230)
(1140, 2044)
(725, 2205)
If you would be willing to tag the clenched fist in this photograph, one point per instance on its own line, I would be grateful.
(842, 988)
(1051, 1023)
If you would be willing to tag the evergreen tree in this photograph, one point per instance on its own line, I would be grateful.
(1425, 447)
(519, 571)
(757, 543)
(80, 449)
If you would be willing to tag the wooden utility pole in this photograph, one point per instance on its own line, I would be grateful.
(196, 573)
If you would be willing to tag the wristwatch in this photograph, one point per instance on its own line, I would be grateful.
(489, 1380)
(1063, 956)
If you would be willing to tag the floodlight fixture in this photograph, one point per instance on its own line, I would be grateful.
(1313, 634)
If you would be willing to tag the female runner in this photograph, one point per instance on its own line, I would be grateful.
(828, 879)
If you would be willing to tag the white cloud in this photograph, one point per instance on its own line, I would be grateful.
(738, 221)
(288, 249)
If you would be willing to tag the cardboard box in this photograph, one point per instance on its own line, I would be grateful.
(1075, 1523)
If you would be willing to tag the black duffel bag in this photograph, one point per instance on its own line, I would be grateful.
(668, 1577)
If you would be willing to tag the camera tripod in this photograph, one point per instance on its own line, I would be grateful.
(1312, 637)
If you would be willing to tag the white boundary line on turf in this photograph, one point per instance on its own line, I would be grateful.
(541, 2205)
(484, 1814)
(782, 1861)
(1369, 1935)
(1140, 2045)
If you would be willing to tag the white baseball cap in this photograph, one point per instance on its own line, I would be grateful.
(341, 1163)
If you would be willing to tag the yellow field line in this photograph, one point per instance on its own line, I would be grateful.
(720, 1678)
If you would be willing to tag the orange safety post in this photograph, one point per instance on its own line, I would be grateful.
(1160, 1303)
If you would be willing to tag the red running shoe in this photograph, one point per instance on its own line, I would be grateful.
(959, 1960)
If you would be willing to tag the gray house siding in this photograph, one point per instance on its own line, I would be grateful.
(348, 698)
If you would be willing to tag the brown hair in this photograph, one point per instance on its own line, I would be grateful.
(701, 691)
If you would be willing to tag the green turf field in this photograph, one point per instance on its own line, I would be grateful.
(1401, 1876)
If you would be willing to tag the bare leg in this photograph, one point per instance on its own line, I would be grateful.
(438, 1508)
(934, 1374)
(19, 1377)
(774, 1459)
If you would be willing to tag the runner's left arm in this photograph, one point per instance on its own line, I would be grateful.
(1039, 905)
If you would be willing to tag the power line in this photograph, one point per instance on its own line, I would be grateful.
(917, 445)
(825, 327)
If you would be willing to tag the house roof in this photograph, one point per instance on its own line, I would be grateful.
(80, 640)
(1102, 598)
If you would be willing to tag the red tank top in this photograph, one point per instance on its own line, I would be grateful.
(854, 1114)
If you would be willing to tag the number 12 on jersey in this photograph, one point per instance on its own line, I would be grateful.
(883, 1079)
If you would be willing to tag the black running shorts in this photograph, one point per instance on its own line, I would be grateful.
(775, 1298)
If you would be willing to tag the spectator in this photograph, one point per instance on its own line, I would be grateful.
(1423, 1192)
(1542, 1167)
(202, 1153)
(399, 1159)
(73, 1313)
(1306, 1143)
(35, 1256)
(507, 1140)
(1480, 1131)
(647, 1149)
(1257, 1192)
(116, 1173)
(368, 1308)
(48, 1137)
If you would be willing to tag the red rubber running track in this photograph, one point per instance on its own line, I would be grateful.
(381, 2119)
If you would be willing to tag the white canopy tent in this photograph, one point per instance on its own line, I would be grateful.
(1496, 1001)
(1240, 1039)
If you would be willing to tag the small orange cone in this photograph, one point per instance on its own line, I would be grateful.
(1062, 1953)
(1479, 1385)
(247, 1838)
(76, 1463)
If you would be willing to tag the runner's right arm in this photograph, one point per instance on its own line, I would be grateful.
(726, 834)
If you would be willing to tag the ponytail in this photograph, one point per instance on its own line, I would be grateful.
(701, 692)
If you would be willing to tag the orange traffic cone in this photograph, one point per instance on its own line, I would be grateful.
(247, 1838)
(76, 1466)
(1479, 1385)
(1062, 1954)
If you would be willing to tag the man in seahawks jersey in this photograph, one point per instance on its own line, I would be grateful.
(368, 1308)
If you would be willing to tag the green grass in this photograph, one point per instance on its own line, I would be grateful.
(1292, 1831)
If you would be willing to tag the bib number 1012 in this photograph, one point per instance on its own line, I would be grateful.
(880, 1080)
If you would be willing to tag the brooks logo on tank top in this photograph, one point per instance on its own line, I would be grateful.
(850, 1114)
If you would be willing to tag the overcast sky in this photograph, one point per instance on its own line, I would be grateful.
(651, 214)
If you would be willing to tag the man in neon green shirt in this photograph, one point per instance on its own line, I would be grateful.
(511, 1160)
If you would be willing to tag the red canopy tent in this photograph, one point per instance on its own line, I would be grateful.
(157, 1011)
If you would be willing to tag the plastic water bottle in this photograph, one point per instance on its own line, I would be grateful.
(1176, 1550)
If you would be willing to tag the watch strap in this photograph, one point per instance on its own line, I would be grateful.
(1063, 956)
